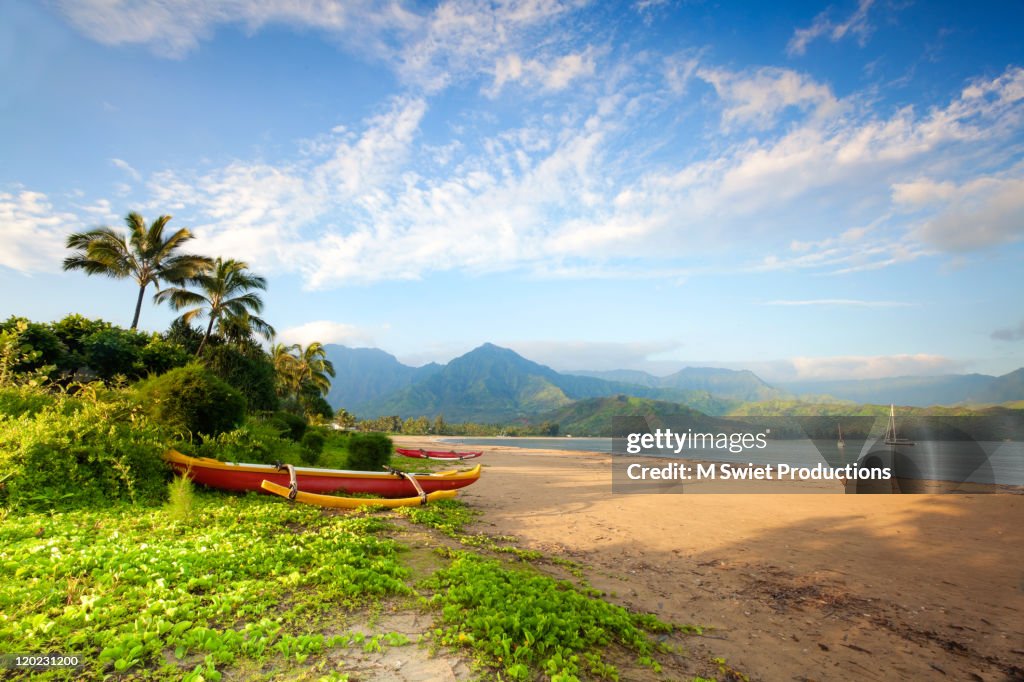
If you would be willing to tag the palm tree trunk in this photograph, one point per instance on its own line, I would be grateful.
(138, 307)
(206, 337)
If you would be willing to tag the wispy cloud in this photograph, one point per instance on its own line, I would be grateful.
(533, 73)
(173, 28)
(34, 231)
(870, 367)
(428, 48)
(372, 201)
(758, 97)
(856, 24)
(326, 331)
(981, 212)
(574, 190)
(127, 168)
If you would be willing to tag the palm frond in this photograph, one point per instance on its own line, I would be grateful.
(189, 316)
(180, 298)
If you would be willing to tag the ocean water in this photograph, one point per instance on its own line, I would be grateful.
(974, 461)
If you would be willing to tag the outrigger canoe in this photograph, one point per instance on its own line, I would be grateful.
(353, 502)
(242, 476)
(438, 454)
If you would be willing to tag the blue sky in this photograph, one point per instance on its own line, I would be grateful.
(808, 190)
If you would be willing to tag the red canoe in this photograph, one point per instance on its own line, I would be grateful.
(437, 454)
(241, 476)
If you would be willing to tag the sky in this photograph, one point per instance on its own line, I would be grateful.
(808, 190)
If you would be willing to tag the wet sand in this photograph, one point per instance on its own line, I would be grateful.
(794, 587)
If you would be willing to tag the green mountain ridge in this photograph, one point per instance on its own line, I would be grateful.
(364, 374)
(734, 384)
(491, 384)
(494, 384)
(593, 416)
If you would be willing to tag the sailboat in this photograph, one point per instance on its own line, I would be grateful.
(890, 433)
(841, 443)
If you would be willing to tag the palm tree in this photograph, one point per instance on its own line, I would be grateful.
(143, 254)
(286, 365)
(241, 330)
(315, 368)
(226, 297)
(302, 369)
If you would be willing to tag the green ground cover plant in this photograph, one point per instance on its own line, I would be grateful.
(248, 579)
(521, 621)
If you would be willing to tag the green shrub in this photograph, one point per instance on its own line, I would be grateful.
(255, 442)
(41, 348)
(110, 352)
(251, 373)
(192, 401)
(185, 335)
(313, 446)
(291, 425)
(74, 329)
(74, 453)
(159, 356)
(18, 400)
(368, 451)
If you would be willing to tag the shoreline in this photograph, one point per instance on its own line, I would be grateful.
(908, 485)
(793, 586)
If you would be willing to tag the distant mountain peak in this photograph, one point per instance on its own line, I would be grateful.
(489, 348)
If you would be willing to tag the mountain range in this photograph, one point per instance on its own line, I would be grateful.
(919, 391)
(494, 384)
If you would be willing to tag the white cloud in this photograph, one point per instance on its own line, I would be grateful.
(34, 232)
(871, 367)
(357, 166)
(574, 190)
(461, 37)
(534, 73)
(982, 212)
(127, 168)
(679, 70)
(429, 50)
(173, 28)
(326, 331)
(758, 97)
(922, 192)
(854, 250)
(272, 216)
(549, 198)
(856, 24)
(595, 355)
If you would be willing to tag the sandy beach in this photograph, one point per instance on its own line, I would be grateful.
(793, 587)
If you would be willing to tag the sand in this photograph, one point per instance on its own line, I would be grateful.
(793, 587)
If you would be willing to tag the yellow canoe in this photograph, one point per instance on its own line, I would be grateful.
(353, 502)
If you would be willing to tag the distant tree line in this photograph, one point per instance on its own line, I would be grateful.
(423, 426)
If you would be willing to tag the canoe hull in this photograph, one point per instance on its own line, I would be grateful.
(354, 502)
(438, 454)
(243, 477)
